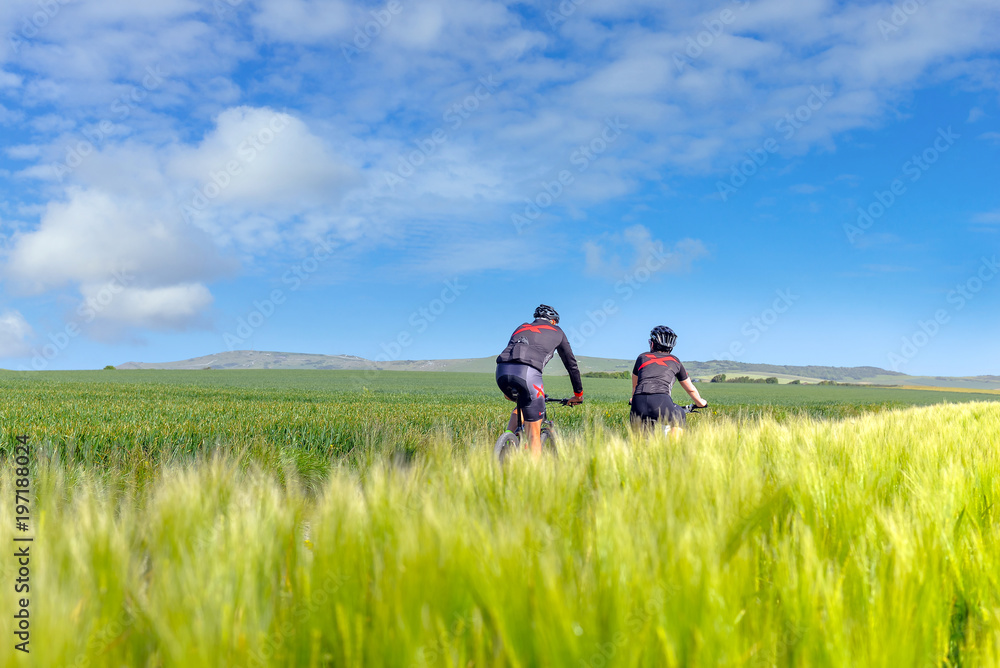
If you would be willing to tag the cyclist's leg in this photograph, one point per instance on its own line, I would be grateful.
(675, 416)
(658, 409)
(534, 430)
(534, 411)
(512, 384)
(643, 416)
(512, 423)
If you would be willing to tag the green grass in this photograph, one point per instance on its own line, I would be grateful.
(331, 518)
(152, 418)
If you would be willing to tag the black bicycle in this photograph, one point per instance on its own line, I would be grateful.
(510, 442)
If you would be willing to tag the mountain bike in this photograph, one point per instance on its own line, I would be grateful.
(510, 442)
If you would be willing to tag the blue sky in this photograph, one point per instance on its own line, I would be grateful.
(409, 180)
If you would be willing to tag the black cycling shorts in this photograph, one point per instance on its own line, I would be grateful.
(523, 384)
(651, 408)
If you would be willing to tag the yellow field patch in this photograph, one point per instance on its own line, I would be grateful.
(948, 389)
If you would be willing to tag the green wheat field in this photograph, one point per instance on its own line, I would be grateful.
(324, 518)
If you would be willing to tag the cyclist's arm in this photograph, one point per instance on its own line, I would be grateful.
(635, 381)
(693, 391)
(569, 361)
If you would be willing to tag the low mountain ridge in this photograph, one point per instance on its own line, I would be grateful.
(254, 359)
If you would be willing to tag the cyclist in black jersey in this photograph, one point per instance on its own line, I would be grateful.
(519, 370)
(653, 377)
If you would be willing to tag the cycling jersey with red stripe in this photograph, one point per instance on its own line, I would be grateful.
(535, 343)
(657, 372)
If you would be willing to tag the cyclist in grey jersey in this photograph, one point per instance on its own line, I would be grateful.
(653, 377)
(519, 370)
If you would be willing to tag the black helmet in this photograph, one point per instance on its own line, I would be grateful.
(662, 338)
(546, 312)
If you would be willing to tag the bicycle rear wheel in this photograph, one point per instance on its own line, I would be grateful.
(505, 445)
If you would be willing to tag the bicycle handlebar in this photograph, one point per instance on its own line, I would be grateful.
(689, 408)
(550, 400)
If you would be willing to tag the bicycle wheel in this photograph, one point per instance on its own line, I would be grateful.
(505, 445)
(549, 442)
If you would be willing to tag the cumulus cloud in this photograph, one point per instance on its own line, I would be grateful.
(168, 307)
(257, 157)
(617, 255)
(92, 236)
(259, 181)
(15, 332)
(133, 266)
(172, 216)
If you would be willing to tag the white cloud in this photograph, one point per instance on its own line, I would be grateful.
(259, 157)
(15, 332)
(8, 116)
(9, 80)
(252, 174)
(304, 20)
(604, 256)
(366, 28)
(52, 123)
(259, 180)
(148, 266)
(619, 59)
(23, 152)
(988, 218)
(92, 235)
(168, 307)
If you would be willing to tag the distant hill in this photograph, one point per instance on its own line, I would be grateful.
(255, 359)
(252, 359)
(857, 374)
(700, 371)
